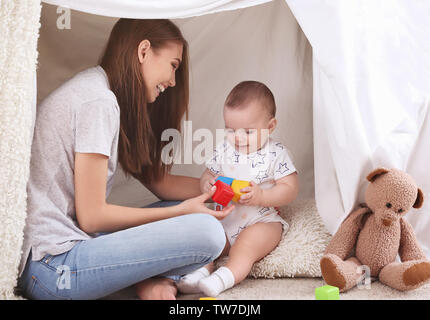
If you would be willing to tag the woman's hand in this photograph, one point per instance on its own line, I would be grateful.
(253, 195)
(197, 205)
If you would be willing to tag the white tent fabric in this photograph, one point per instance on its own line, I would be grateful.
(371, 83)
(371, 99)
(154, 9)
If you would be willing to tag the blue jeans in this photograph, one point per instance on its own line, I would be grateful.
(99, 266)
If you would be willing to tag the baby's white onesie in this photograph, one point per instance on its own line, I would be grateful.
(264, 166)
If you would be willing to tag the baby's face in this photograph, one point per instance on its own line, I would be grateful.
(248, 127)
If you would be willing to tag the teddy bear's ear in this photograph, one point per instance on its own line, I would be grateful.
(376, 173)
(420, 199)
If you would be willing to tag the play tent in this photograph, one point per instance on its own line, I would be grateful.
(351, 81)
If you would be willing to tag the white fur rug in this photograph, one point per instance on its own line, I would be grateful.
(299, 252)
(19, 26)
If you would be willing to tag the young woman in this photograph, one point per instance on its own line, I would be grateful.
(115, 112)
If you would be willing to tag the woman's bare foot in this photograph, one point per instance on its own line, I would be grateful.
(156, 289)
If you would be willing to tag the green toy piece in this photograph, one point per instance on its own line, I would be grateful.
(327, 293)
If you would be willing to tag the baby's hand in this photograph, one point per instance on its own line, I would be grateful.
(206, 183)
(253, 195)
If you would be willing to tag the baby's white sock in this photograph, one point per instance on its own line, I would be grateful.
(217, 282)
(189, 282)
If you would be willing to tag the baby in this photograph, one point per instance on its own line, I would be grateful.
(254, 228)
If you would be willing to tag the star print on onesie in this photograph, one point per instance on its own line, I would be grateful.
(238, 231)
(279, 145)
(257, 159)
(263, 210)
(282, 168)
(236, 157)
(261, 176)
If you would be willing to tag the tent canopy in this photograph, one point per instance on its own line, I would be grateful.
(155, 9)
(358, 100)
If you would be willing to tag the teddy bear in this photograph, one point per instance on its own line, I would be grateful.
(375, 233)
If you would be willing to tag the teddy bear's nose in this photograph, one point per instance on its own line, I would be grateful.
(387, 222)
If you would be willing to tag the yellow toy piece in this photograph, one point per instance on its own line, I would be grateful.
(236, 185)
(207, 298)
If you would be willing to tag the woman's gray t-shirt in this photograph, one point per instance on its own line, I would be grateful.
(82, 115)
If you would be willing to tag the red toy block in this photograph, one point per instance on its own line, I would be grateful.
(223, 194)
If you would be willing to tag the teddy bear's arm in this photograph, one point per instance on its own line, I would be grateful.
(409, 247)
(345, 238)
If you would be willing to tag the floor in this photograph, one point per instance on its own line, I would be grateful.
(295, 289)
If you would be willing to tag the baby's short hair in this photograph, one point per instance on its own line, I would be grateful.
(247, 91)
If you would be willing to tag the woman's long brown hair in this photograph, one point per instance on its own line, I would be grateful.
(141, 124)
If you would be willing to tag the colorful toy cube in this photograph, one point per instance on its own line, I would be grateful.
(236, 185)
(226, 180)
(223, 193)
(327, 293)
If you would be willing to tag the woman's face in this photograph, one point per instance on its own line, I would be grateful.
(158, 67)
